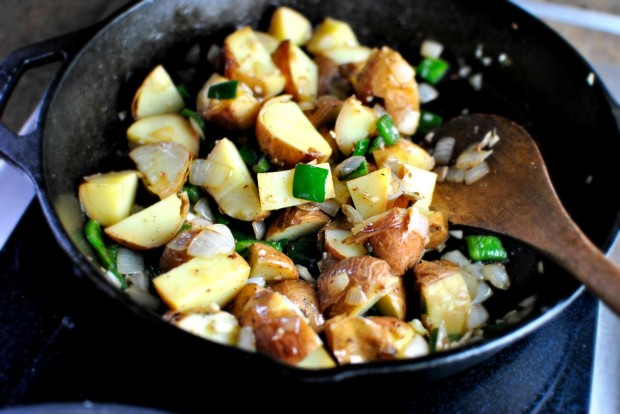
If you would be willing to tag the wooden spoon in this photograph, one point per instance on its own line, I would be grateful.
(517, 199)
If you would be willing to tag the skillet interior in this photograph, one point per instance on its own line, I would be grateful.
(544, 89)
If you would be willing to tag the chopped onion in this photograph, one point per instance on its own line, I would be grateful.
(210, 174)
(497, 275)
(140, 280)
(470, 158)
(418, 222)
(354, 217)
(427, 93)
(259, 228)
(304, 274)
(443, 150)
(129, 261)
(457, 234)
(442, 173)
(200, 223)
(464, 71)
(484, 292)
(527, 302)
(416, 347)
(246, 339)
(431, 49)
(456, 257)
(396, 189)
(379, 110)
(474, 174)
(143, 297)
(471, 282)
(476, 81)
(259, 280)
(113, 279)
(214, 55)
(455, 175)
(215, 239)
(330, 207)
(203, 209)
(337, 284)
(355, 296)
(490, 139)
(349, 165)
(197, 129)
(417, 326)
(476, 269)
(478, 316)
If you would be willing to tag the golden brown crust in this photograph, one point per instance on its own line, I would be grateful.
(303, 294)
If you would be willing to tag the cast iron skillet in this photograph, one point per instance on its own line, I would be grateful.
(544, 88)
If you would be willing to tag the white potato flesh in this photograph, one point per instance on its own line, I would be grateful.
(270, 264)
(420, 183)
(202, 282)
(108, 198)
(405, 152)
(152, 227)
(286, 135)
(331, 33)
(157, 96)
(269, 42)
(447, 302)
(317, 359)
(276, 189)
(289, 24)
(301, 73)
(370, 192)
(248, 61)
(343, 55)
(339, 250)
(220, 326)
(355, 122)
(341, 190)
(163, 167)
(237, 195)
(164, 128)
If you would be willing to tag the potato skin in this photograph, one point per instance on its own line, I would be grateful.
(437, 229)
(303, 294)
(270, 263)
(372, 276)
(237, 113)
(310, 220)
(172, 258)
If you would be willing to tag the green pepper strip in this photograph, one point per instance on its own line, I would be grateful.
(194, 192)
(361, 170)
(309, 182)
(262, 165)
(248, 154)
(92, 231)
(387, 130)
(224, 90)
(486, 248)
(182, 89)
(376, 144)
(188, 113)
(361, 147)
(432, 70)
(428, 121)
(242, 245)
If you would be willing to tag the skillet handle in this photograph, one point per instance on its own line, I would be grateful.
(24, 151)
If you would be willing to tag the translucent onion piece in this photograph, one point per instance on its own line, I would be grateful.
(484, 292)
(260, 281)
(396, 188)
(416, 348)
(354, 217)
(379, 110)
(163, 166)
(209, 174)
(442, 172)
(246, 339)
(181, 241)
(215, 239)
(457, 234)
(129, 261)
(431, 49)
(304, 274)
(338, 283)
(417, 326)
(476, 269)
(355, 296)
(140, 280)
(113, 279)
(476, 173)
(143, 297)
(200, 223)
(475, 81)
(497, 275)
(349, 165)
(471, 282)
(478, 316)
(443, 150)
(330, 207)
(418, 222)
(456, 257)
(427, 93)
(203, 209)
(469, 159)
(455, 176)
(259, 228)
(309, 207)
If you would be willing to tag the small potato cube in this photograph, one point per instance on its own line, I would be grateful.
(317, 359)
(343, 55)
(301, 73)
(355, 122)
(338, 249)
(294, 223)
(420, 183)
(164, 128)
(270, 264)
(270, 43)
(157, 96)
(289, 24)
(405, 152)
(331, 33)
(370, 192)
(108, 198)
(217, 326)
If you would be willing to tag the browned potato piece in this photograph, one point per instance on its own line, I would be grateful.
(239, 305)
(158, 95)
(281, 330)
(172, 258)
(295, 222)
(287, 23)
(331, 80)
(405, 152)
(337, 249)
(302, 294)
(285, 134)
(324, 111)
(354, 340)
(270, 263)
(393, 303)
(352, 286)
(393, 239)
(387, 75)
(300, 71)
(237, 113)
(437, 229)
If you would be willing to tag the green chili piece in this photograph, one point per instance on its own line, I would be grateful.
(262, 165)
(242, 245)
(182, 89)
(309, 182)
(486, 248)
(387, 130)
(224, 90)
(249, 156)
(92, 231)
(428, 121)
(375, 144)
(432, 70)
(304, 251)
(194, 192)
(186, 226)
(361, 170)
(188, 113)
(361, 147)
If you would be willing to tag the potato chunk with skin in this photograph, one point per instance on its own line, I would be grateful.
(388, 76)
(337, 249)
(302, 294)
(355, 122)
(331, 33)
(237, 113)
(301, 73)
(393, 303)
(217, 326)
(286, 136)
(158, 95)
(202, 282)
(353, 285)
(294, 222)
(248, 61)
(270, 263)
(444, 295)
(370, 192)
(287, 23)
(164, 167)
(355, 340)
(404, 152)
(108, 198)
(164, 128)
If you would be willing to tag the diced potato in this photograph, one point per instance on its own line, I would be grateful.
(270, 264)
(337, 249)
(370, 192)
(317, 359)
(301, 73)
(341, 190)
(419, 182)
(286, 135)
(343, 55)
(237, 196)
(294, 223)
(164, 128)
(331, 33)
(444, 295)
(303, 295)
(157, 96)
(276, 189)
(217, 326)
(270, 43)
(405, 152)
(393, 303)
(248, 61)
(355, 122)
(289, 24)
(164, 167)
(164, 220)
(108, 198)
(237, 113)
(437, 228)
(202, 282)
